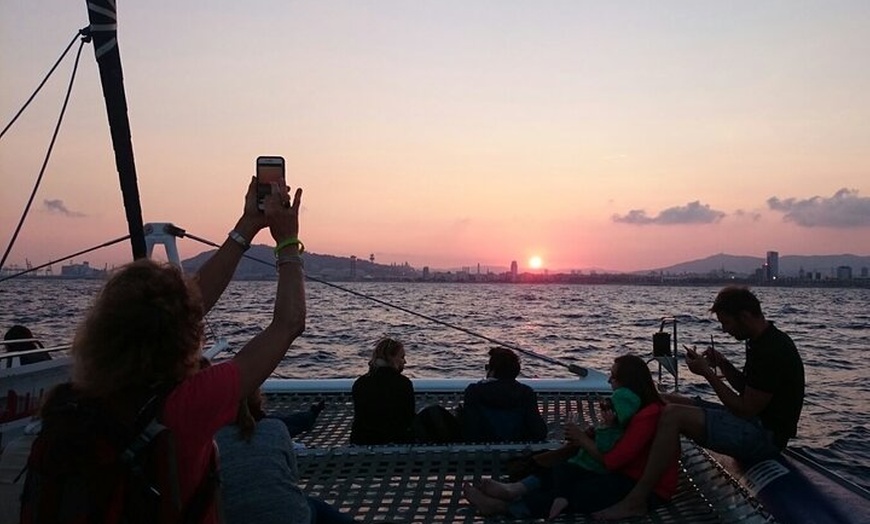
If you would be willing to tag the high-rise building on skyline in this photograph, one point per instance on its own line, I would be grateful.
(772, 266)
(844, 273)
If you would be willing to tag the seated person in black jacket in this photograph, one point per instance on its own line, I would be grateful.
(18, 332)
(383, 398)
(500, 409)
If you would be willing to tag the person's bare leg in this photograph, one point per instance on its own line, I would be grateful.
(673, 398)
(675, 419)
(558, 506)
(484, 504)
(501, 490)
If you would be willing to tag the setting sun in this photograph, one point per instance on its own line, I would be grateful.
(535, 262)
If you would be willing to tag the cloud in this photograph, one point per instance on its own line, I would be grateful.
(691, 213)
(58, 207)
(843, 210)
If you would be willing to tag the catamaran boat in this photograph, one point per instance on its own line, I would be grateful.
(423, 482)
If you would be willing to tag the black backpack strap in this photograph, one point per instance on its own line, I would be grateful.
(207, 490)
(204, 495)
(148, 427)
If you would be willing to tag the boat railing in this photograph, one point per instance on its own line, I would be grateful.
(37, 351)
(12, 359)
(558, 403)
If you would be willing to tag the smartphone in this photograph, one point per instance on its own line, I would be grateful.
(270, 169)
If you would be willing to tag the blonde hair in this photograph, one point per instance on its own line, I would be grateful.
(385, 350)
(145, 328)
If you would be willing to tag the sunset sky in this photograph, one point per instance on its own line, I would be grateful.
(613, 135)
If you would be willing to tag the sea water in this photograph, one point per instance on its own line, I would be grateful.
(448, 329)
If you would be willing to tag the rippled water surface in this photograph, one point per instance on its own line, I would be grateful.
(588, 325)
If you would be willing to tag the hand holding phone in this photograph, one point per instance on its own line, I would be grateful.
(691, 353)
(270, 170)
(712, 355)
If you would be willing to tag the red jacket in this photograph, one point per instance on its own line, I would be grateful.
(629, 454)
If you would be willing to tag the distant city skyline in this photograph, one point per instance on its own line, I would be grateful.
(607, 135)
(803, 268)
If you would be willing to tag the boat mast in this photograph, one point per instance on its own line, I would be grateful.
(102, 15)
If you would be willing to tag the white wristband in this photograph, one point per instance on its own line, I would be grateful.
(237, 237)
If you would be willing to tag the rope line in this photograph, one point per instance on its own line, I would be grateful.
(577, 370)
(82, 32)
(37, 268)
(84, 39)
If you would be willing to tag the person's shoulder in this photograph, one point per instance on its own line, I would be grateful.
(274, 427)
(773, 337)
(361, 381)
(772, 331)
(215, 376)
(226, 434)
(405, 381)
(393, 374)
(525, 388)
(475, 386)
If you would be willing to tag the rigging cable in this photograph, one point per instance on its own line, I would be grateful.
(41, 84)
(85, 37)
(37, 268)
(573, 368)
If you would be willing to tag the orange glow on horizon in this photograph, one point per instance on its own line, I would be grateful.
(536, 262)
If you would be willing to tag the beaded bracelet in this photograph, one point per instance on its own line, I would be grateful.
(287, 242)
(237, 237)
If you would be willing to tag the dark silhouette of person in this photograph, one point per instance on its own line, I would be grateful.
(19, 332)
(499, 408)
(383, 398)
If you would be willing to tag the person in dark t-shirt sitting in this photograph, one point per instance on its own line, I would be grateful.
(500, 409)
(760, 404)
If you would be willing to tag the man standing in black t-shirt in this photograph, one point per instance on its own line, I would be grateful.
(760, 405)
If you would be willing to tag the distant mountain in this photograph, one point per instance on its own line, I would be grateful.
(789, 265)
(325, 266)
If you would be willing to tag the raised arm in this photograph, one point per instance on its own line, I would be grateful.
(259, 357)
(218, 270)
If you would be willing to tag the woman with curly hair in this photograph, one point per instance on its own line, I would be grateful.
(142, 339)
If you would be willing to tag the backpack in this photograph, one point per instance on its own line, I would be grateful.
(87, 465)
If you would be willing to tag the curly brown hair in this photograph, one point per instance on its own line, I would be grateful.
(144, 329)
